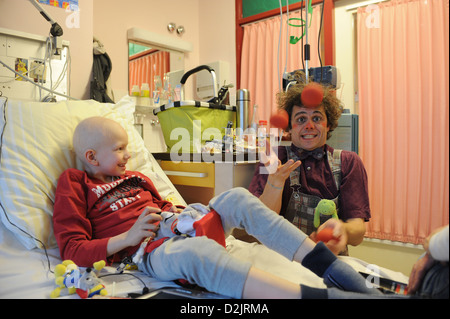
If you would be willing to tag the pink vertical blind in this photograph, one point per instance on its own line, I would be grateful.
(144, 68)
(259, 69)
(403, 79)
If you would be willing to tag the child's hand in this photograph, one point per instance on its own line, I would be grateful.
(145, 226)
(175, 210)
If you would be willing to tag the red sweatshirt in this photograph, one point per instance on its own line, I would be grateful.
(88, 212)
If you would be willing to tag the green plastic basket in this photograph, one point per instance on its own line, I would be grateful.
(187, 121)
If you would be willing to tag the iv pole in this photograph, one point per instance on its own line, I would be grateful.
(306, 48)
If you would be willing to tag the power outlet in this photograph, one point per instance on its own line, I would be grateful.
(37, 71)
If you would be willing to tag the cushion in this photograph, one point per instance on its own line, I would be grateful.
(36, 147)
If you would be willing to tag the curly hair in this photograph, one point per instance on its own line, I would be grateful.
(292, 97)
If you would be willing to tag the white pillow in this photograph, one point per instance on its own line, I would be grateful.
(37, 147)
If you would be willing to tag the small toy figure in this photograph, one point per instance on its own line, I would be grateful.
(90, 285)
(325, 207)
(68, 275)
(195, 220)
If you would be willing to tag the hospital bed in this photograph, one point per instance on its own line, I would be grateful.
(35, 149)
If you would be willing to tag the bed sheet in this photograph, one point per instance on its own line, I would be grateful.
(24, 274)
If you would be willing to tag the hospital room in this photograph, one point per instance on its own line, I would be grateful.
(264, 139)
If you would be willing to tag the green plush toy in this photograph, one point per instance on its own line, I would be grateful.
(325, 207)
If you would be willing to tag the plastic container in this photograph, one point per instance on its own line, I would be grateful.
(145, 90)
(135, 90)
(255, 119)
(262, 134)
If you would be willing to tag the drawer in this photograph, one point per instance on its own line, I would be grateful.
(189, 174)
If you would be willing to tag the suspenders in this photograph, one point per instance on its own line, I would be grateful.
(336, 166)
(301, 206)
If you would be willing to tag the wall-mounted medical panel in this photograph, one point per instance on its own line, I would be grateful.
(36, 58)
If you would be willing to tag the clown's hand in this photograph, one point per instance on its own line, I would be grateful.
(338, 242)
(270, 161)
(278, 173)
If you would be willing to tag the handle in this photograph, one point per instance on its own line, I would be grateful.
(185, 174)
(195, 70)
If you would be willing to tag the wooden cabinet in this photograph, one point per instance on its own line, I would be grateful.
(190, 174)
(200, 181)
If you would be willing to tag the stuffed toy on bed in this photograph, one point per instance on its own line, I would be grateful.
(195, 220)
(86, 285)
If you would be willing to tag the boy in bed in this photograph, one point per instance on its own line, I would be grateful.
(106, 212)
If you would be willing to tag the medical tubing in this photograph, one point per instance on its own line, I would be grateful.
(318, 41)
(301, 17)
(280, 85)
(306, 45)
(4, 124)
(39, 86)
(287, 37)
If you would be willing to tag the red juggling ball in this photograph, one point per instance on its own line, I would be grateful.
(312, 95)
(325, 235)
(280, 119)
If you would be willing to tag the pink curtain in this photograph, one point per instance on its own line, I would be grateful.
(403, 79)
(259, 70)
(143, 69)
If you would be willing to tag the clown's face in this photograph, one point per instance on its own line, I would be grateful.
(309, 127)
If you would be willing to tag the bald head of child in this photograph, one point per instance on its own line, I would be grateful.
(100, 143)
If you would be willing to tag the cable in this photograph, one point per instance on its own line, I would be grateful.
(49, 56)
(1, 205)
(39, 86)
(69, 65)
(306, 44)
(280, 78)
(287, 38)
(50, 97)
(28, 234)
(303, 31)
(3, 128)
(318, 41)
(280, 85)
(145, 290)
